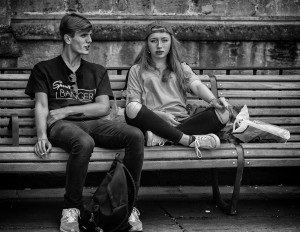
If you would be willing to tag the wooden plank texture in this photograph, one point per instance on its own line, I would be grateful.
(260, 94)
(273, 162)
(13, 84)
(259, 85)
(105, 165)
(275, 112)
(255, 78)
(237, 101)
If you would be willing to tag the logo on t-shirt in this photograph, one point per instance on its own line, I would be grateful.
(65, 92)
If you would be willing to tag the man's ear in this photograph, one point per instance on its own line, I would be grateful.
(67, 39)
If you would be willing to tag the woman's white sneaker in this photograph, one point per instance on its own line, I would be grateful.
(154, 140)
(208, 142)
(134, 221)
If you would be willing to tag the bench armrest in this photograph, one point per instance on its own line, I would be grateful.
(13, 125)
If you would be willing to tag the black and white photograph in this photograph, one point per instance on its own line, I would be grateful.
(150, 115)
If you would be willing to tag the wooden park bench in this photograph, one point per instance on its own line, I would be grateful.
(271, 98)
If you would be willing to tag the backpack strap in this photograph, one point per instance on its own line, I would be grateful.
(130, 184)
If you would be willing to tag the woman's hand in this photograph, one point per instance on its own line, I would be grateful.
(42, 148)
(169, 118)
(220, 103)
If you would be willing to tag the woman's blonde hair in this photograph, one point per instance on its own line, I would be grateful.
(174, 62)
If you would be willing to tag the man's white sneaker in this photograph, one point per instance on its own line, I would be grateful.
(134, 221)
(154, 140)
(209, 141)
(69, 220)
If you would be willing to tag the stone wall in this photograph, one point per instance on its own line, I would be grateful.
(215, 33)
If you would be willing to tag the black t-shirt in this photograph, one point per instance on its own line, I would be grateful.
(52, 77)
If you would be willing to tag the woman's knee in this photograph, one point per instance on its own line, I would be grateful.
(223, 115)
(132, 109)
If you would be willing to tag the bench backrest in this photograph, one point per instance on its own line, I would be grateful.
(270, 98)
(273, 99)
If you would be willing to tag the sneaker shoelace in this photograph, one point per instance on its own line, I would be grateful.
(197, 146)
(158, 141)
(161, 143)
(71, 215)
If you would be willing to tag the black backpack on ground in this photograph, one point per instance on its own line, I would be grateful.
(112, 203)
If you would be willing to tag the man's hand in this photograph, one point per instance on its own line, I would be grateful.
(169, 118)
(55, 115)
(42, 148)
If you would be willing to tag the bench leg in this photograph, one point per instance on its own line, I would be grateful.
(230, 207)
(13, 125)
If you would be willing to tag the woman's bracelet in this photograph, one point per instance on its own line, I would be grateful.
(40, 139)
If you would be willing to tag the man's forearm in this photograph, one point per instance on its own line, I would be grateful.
(41, 122)
(88, 110)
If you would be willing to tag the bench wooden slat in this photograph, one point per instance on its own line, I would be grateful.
(255, 78)
(23, 141)
(122, 78)
(14, 77)
(104, 166)
(187, 155)
(22, 132)
(264, 102)
(292, 129)
(273, 162)
(20, 112)
(274, 112)
(117, 78)
(259, 85)
(25, 77)
(29, 149)
(25, 133)
(32, 141)
(282, 146)
(279, 120)
(22, 121)
(28, 103)
(112, 77)
(273, 120)
(32, 131)
(259, 94)
(257, 103)
(275, 150)
(294, 138)
(13, 84)
(13, 94)
(269, 153)
(21, 94)
(168, 153)
(23, 103)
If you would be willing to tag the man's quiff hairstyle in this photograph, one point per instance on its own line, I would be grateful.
(72, 23)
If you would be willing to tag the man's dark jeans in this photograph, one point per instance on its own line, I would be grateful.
(78, 138)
